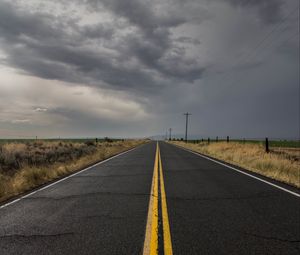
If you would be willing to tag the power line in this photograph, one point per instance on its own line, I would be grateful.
(271, 43)
(255, 49)
(273, 46)
(276, 47)
(261, 42)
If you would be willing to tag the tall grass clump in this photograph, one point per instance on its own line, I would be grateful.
(29, 164)
(282, 166)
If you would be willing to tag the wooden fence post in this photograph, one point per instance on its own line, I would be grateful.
(267, 145)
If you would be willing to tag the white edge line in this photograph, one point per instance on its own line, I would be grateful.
(242, 172)
(67, 177)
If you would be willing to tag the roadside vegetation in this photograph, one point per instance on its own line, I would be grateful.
(282, 164)
(27, 164)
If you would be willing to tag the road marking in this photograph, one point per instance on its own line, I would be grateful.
(166, 226)
(65, 178)
(240, 171)
(151, 236)
(152, 227)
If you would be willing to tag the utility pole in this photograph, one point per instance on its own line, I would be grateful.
(170, 133)
(186, 124)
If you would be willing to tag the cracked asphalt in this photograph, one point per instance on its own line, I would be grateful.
(212, 210)
(215, 210)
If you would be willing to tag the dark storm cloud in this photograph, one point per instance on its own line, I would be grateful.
(97, 31)
(269, 10)
(54, 48)
(76, 65)
(15, 23)
(139, 13)
(154, 43)
(233, 64)
(185, 39)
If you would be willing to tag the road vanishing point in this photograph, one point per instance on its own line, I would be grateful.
(154, 199)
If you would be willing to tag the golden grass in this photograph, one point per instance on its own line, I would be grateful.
(28, 176)
(283, 166)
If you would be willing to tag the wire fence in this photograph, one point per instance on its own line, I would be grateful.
(268, 143)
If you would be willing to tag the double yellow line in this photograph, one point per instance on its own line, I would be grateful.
(152, 227)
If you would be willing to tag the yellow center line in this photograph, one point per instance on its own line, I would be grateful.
(166, 226)
(151, 235)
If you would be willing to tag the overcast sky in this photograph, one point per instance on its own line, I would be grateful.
(133, 67)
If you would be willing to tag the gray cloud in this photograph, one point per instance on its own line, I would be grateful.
(185, 39)
(40, 109)
(52, 48)
(17, 121)
(139, 13)
(97, 31)
(269, 10)
(154, 60)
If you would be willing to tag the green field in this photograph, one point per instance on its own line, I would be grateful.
(272, 143)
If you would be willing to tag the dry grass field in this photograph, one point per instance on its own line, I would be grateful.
(282, 164)
(24, 166)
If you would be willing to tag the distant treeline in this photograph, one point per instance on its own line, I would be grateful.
(71, 140)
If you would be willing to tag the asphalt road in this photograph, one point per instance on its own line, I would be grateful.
(215, 210)
(211, 209)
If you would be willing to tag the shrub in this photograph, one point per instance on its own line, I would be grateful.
(106, 139)
(26, 165)
(89, 143)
